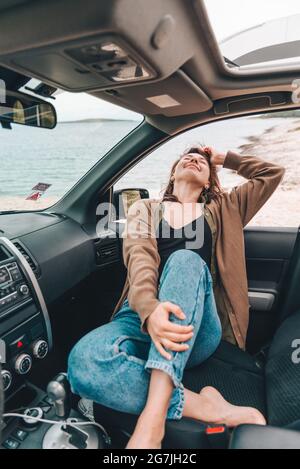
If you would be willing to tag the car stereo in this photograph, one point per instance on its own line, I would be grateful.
(13, 287)
(25, 328)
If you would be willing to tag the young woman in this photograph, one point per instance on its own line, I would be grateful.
(186, 288)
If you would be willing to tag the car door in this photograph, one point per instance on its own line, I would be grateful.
(269, 252)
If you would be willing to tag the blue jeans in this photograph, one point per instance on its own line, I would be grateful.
(112, 364)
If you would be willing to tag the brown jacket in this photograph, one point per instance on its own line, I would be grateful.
(227, 215)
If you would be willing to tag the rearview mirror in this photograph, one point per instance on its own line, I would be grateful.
(20, 108)
(124, 198)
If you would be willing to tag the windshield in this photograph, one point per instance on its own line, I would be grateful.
(257, 34)
(38, 166)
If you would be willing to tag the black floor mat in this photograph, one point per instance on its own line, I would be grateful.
(232, 372)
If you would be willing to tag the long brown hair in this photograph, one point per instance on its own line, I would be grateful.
(215, 190)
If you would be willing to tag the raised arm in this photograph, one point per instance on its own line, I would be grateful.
(264, 177)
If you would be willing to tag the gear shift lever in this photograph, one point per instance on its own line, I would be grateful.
(59, 392)
(68, 435)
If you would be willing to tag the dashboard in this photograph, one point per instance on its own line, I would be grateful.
(42, 256)
(25, 328)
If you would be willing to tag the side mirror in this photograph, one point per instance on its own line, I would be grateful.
(124, 198)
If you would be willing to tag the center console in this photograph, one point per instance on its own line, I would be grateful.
(25, 330)
(33, 418)
(50, 422)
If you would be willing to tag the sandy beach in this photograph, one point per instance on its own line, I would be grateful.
(279, 144)
(19, 203)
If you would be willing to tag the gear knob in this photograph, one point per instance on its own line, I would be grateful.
(59, 391)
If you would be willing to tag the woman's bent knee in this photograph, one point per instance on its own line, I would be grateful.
(85, 362)
(99, 362)
(186, 258)
(78, 368)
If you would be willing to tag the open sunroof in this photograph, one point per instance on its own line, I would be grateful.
(258, 34)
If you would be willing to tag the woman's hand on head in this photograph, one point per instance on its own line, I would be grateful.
(165, 334)
(216, 157)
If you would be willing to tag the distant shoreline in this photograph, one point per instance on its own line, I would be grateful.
(282, 114)
(91, 121)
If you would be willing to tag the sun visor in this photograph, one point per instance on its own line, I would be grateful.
(83, 46)
(175, 96)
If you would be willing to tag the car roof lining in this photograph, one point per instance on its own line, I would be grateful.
(191, 71)
(8, 4)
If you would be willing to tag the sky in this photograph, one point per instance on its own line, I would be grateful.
(78, 106)
(231, 16)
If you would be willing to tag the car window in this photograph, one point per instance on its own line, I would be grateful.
(256, 34)
(273, 137)
(38, 166)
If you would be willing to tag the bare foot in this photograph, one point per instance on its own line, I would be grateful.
(147, 433)
(215, 409)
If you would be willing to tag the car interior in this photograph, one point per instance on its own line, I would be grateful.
(60, 276)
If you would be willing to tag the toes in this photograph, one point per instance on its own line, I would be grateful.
(259, 419)
(211, 392)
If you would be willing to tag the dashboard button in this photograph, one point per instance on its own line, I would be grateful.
(6, 379)
(40, 349)
(24, 290)
(18, 344)
(20, 434)
(23, 364)
(15, 275)
(10, 443)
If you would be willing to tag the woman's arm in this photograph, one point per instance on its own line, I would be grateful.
(141, 258)
(264, 177)
(142, 261)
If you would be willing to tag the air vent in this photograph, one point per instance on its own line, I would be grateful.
(107, 251)
(29, 259)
